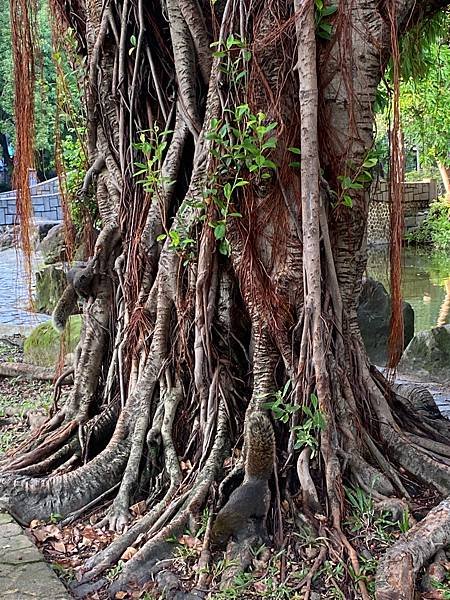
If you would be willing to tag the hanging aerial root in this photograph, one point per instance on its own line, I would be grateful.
(399, 567)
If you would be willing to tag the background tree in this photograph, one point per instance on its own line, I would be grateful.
(424, 99)
(424, 106)
(231, 189)
(45, 92)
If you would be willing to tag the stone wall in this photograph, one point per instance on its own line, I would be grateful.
(417, 199)
(45, 198)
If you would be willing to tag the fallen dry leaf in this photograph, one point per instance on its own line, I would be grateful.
(35, 523)
(46, 533)
(190, 542)
(139, 508)
(59, 547)
(129, 553)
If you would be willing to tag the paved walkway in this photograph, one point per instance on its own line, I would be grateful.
(24, 575)
(14, 318)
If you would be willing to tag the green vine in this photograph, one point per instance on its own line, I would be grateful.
(241, 147)
(308, 432)
(324, 28)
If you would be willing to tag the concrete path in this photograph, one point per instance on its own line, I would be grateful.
(14, 316)
(24, 575)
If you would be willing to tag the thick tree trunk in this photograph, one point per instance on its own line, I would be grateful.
(230, 272)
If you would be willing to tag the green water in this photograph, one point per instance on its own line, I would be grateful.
(425, 284)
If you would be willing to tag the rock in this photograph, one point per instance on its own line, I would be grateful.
(50, 284)
(374, 315)
(428, 355)
(44, 227)
(167, 582)
(7, 237)
(42, 346)
(52, 247)
(36, 419)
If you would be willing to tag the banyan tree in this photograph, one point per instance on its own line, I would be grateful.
(229, 149)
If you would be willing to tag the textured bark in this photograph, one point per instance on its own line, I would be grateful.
(401, 563)
(182, 343)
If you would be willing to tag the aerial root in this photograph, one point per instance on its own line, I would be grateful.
(34, 439)
(138, 568)
(310, 499)
(54, 461)
(205, 556)
(398, 568)
(49, 445)
(307, 582)
(160, 513)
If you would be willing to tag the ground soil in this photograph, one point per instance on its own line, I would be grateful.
(276, 574)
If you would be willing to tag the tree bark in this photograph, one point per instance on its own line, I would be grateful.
(224, 273)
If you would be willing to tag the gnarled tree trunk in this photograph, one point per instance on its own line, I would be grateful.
(235, 267)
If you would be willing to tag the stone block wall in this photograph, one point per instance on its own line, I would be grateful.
(417, 197)
(45, 199)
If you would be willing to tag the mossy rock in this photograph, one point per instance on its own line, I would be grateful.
(428, 355)
(42, 346)
(50, 284)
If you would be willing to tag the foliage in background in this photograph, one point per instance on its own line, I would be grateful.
(45, 88)
(71, 144)
(424, 100)
(436, 227)
(425, 108)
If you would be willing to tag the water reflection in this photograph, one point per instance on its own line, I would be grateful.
(425, 284)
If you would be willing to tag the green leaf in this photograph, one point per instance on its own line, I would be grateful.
(294, 150)
(347, 201)
(227, 191)
(328, 10)
(161, 237)
(369, 163)
(219, 231)
(240, 183)
(346, 182)
(325, 31)
(269, 164)
(270, 143)
(174, 237)
(356, 186)
(295, 164)
(224, 247)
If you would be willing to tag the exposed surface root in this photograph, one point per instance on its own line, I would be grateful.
(399, 567)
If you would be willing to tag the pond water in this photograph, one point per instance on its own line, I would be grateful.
(425, 283)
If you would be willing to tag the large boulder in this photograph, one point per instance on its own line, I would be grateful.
(52, 247)
(50, 283)
(428, 355)
(374, 316)
(43, 346)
